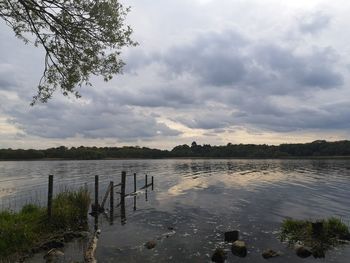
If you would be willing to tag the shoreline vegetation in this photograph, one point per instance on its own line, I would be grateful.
(314, 237)
(31, 230)
(319, 149)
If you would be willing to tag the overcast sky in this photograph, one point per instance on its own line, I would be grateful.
(213, 71)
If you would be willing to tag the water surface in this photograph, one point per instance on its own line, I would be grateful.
(193, 203)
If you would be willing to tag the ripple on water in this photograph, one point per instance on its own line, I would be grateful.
(199, 200)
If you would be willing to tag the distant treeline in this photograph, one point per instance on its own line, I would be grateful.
(314, 149)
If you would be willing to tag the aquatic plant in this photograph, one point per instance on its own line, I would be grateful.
(319, 235)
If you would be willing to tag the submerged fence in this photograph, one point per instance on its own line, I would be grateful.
(99, 207)
(42, 196)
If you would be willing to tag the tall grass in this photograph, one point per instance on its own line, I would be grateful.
(21, 231)
(333, 229)
(70, 209)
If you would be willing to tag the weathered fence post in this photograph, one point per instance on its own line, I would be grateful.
(122, 188)
(111, 201)
(135, 191)
(96, 194)
(152, 183)
(134, 203)
(122, 198)
(49, 196)
(146, 176)
(134, 182)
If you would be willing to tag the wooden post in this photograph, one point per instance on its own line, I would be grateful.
(122, 199)
(146, 180)
(111, 201)
(122, 188)
(134, 182)
(96, 194)
(134, 203)
(135, 191)
(152, 183)
(49, 196)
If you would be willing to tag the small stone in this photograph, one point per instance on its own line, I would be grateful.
(231, 236)
(270, 254)
(150, 244)
(219, 256)
(302, 252)
(239, 248)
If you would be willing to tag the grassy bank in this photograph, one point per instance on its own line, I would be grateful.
(21, 231)
(319, 236)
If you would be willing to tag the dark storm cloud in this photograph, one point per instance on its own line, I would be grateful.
(317, 69)
(91, 120)
(156, 96)
(215, 58)
(283, 119)
(231, 60)
(242, 74)
(314, 23)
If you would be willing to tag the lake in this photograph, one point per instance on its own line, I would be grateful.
(193, 203)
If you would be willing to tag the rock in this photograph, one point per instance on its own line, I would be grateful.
(52, 244)
(150, 244)
(318, 252)
(345, 237)
(231, 236)
(270, 254)
(53, 254)
(239, 248)
(343, 242)
(302, 252)
(219, 256)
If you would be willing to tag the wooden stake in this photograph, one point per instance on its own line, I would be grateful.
(111, 200)
(96, 194)
(134, 182)
(49, 196)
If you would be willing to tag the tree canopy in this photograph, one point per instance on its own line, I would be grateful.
(81, 38)
(316, 149)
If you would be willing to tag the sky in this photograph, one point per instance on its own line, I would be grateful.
(210, 71)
